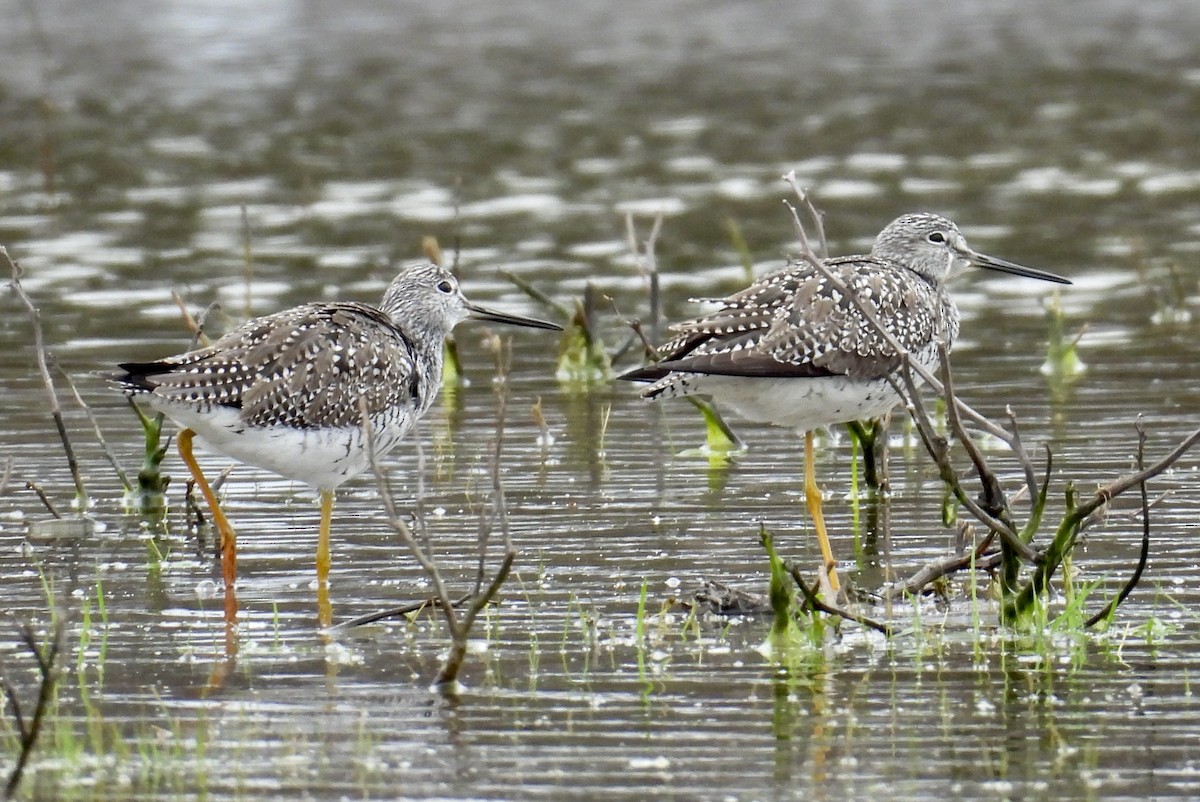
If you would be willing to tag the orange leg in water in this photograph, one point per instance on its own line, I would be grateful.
(324, 607)
(812, 496)
(228, 538)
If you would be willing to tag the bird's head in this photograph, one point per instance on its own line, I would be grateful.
(426, 296)
(932, 246)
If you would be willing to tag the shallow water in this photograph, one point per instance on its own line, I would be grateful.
(136, 145)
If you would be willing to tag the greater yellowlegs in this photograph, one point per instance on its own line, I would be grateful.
(286, 392)
(792, 350)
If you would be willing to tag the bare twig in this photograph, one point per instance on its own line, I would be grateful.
(536, 294)
(935, 570)
(647, 265)
(1068, 530)
(1110, 491)
(499, 513)
(938, 449)
(456, 225)
(30, 726)
(459, 625)
(394, 612)
(44, 370)
(87, 410)
(1018, 448)
(247, 265)
(992, 494)
(195, 326)
(401, 528)
(1143, 554)
(36, 488)
(813, 599)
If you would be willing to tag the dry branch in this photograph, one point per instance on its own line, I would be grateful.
(40, 349)
(459, 625)
(30, 726)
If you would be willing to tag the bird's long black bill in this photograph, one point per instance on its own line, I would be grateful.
(992, 263)
(483, 313)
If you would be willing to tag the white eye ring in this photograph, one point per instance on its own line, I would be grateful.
(937, 237)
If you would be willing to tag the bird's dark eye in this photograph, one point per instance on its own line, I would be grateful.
(937, 237)
(445, 286)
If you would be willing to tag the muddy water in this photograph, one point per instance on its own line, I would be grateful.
(133, 141)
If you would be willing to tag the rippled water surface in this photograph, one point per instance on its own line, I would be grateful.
(149, 147)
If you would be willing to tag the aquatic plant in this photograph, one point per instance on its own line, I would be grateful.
(1025, 571)
(583, 361)
(871, 438)
(1062, 354)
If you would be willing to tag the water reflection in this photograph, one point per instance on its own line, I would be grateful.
(136, 138)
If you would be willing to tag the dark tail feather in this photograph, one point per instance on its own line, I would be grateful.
(648, 373)
(135, 376)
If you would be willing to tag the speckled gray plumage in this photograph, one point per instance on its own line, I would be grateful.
(286, 391)
(795, 324)
(306, 367)
(313, 365)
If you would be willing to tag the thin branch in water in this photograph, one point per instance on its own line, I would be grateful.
(395, 612)
(36, 488)
(938, 449)
(194, 325)
(647, 265)
(648, 346)
(1112, 490)
(536, 294)
(1018, 448)
(30, 726)
(813, 599)
(47, 380)
(993, 496)
(1068, 530)
(87, 410)
(247, 265)
(400, 527)
(1143, 554)
(935, 570)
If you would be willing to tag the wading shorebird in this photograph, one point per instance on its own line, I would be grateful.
(286, 392)
(792, 350)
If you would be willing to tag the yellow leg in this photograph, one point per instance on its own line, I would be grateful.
(228, 538)
(812, 496)
(324, 607)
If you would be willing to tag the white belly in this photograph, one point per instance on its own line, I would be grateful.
(800, 404)
(805, 404)
(321, 458)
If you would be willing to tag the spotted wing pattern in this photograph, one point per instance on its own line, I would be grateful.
(306, 367)
(796, 324)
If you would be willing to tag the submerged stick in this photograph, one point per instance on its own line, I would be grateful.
(1068, 530)
(458, 651)
(47, 380)
(393, 612)
(814, 600)
(647, 265)
(29, 727)
(1144, 552)
(87, 410)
